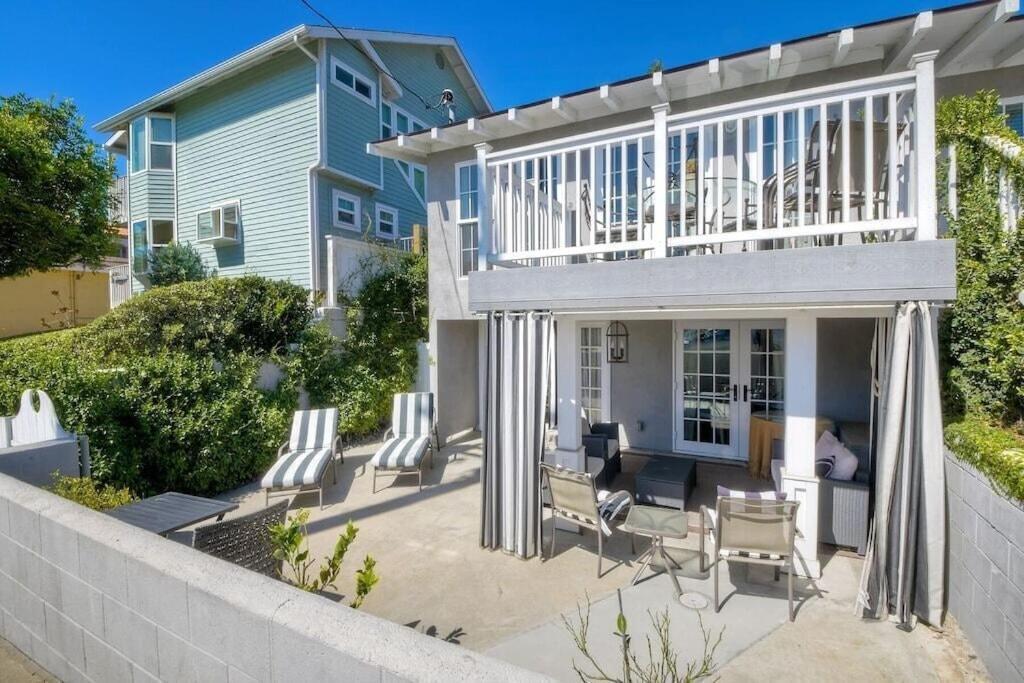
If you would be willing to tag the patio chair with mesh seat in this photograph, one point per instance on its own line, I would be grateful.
(751, 530)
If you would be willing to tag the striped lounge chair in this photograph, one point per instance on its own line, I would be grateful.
(302, 461)
(757, 527)
(409, 439)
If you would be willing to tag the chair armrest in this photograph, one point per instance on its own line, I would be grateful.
(283, 449)
(337, 446)
(609, 430)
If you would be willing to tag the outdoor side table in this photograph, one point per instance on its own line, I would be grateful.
(659, 523)
(169, 512)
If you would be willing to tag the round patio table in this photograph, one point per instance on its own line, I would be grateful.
(658, 523)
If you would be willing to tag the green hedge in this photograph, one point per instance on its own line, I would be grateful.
(995, 451)
(165, 385)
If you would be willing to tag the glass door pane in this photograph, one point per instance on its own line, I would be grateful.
(767, 372)
(706, 421)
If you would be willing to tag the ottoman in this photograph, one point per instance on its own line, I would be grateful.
(666, 481)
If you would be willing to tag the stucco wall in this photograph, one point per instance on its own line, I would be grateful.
(29, 301)
(844, 368)
(457, 376)
(641, 390)
(92, 599)
(986, 569)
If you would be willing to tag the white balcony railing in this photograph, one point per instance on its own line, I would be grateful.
(824, 166)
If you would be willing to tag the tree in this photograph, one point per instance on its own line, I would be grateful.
(176, 263)
(54, 188)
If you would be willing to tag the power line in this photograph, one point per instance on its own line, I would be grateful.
(359, 48)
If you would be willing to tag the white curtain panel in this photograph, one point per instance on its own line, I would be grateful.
(904, 570)
(518, 358)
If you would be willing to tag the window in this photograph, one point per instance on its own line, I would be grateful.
(140, 247)
(152, 143)
(416, 176)
(468, 214)
(396, 121)
(346, 210)
(1013, 107)
(149, 236)
(349, 79)
(161, 143)
(219, 225)
(591, 372)
(138, 146)
(387, 222)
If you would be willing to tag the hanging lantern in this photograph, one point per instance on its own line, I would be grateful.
(617, 339)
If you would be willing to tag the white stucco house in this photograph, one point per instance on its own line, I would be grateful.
(754, 221)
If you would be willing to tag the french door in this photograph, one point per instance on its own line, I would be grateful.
(725, 372)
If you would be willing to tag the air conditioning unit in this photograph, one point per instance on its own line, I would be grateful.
(219, 225)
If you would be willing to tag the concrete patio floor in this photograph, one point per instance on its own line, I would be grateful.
(436, 579)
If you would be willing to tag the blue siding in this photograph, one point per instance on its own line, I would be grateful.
(252, 139)
(351, 122)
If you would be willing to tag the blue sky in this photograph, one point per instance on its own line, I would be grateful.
(108, 55)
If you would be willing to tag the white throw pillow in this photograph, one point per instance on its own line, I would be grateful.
(826, 446)
(846, 464)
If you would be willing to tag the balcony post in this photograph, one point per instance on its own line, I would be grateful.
(332, 273)
(660, 227)
(923, 64)
(484, 242)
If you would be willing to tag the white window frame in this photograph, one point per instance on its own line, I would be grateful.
(148, 142)
(461, 220)
(393, 123)
(356, 74)
(150, 246)
(131, 146)
(357, 210)
(394, 222)
(1004, 102)
(603, 367)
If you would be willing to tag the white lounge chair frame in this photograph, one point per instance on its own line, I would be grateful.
(330, 415)
(431, 435)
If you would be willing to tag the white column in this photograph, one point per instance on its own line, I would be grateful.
(660, 227)
(569, 452)
(798, 480)
(924, 144)
(332, 273)
(484, 241)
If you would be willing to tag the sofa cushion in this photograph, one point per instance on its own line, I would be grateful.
(846, 464)
(613, 447)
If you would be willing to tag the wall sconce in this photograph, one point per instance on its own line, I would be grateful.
(617, 339)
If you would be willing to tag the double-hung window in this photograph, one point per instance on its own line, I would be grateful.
(152, 143)
(387, 222)
(468, 216)
(1013, 108)
(346, 210)
(347, 78)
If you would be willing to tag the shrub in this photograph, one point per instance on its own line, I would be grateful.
(996, 452)
(378, 357)
(217, 316)
(87, 492)
(176, 263)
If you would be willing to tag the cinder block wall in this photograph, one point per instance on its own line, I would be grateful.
(986, 569)
(92, 599)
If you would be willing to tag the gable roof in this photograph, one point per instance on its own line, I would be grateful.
(289, 40)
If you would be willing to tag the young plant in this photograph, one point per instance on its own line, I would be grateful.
(662, 660)
(291, 546)
(85, 491)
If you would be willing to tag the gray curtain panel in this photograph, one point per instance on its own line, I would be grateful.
(518, 357)
(904, 570)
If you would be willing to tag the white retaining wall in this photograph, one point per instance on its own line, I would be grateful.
(92, 599)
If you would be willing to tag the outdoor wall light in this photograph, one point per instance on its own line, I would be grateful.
(617, 339)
